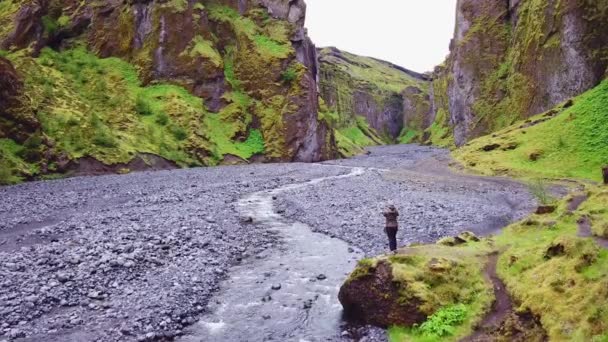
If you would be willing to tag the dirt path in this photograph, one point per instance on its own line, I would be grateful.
(502, 306)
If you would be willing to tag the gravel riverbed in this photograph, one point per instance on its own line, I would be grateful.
(139, 257)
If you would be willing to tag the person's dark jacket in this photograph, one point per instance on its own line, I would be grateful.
(391, 218)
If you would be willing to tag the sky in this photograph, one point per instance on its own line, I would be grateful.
(414, 34)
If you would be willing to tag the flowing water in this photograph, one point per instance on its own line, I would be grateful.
(289, 294)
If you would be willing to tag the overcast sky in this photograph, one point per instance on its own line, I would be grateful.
(414, 34)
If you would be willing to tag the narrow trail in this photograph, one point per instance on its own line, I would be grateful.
(286, 296)
(501, 308)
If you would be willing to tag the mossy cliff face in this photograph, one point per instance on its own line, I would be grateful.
(392, 101)
(231, 80)
(512, 59)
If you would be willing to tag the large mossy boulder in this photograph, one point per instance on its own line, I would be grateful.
(406, 288)
(372, 296)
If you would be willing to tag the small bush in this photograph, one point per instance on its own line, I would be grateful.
(443, 322)
(162, 119)
(179, 133)
(540, 190)
(103, 139)
(289, 75)
(142, 106)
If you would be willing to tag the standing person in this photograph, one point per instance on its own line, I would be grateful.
(392, 226)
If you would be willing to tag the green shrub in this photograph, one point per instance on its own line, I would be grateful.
(540, 190)
(444, 321)
(162, 119)
(103, 139)
(289, 75)
(179, 133)
(143, 107)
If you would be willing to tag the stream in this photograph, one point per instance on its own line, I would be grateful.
(289, 295)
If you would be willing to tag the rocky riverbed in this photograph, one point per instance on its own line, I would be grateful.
(433, 200)
(140, 257)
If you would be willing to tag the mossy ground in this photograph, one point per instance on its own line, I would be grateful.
(574, 144)
(559, 276)
(442, 278)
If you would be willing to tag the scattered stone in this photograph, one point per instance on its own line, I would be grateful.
(545, 209)
(534, 156)
(276, 287)
(321, 277)
(491, 147)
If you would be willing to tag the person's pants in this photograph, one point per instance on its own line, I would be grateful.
(391, 232)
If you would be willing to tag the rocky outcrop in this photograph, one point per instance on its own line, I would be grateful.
(17, 121)
(512, 59)
(406, 288)
(371, 296)
(250, 61)
(389, 98)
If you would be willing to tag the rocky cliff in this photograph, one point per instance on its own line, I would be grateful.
(373, 101)
(195, 82)
(512, 59)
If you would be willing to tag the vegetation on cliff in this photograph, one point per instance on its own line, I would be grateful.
(156, 79)
(375, 102)
(569, 141)
(513, 60)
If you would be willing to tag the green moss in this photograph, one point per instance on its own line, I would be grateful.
(8, 10)
(204, 48)
(560, 277)
(449, 284)
(364, 268)
(220, 132)
(441, 133)
(361, 134)
(241, 24)
(346, 147)
(271, 48)
(596, 209)
(574, 143)
(177, 6)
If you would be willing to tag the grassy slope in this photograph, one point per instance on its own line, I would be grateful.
(574, 144)
(568, 290)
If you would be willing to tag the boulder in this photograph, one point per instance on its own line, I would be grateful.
(370, 296)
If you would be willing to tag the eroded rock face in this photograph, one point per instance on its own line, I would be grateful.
(513, 59)
(195, 44)
(17, 122)
(372, 297)
(387, 96)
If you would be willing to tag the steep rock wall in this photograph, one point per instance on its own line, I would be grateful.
(513, 59)
(250, 61)
(389, 98)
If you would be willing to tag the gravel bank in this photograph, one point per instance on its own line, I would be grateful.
(139, 257)
(433, 201)
(126, 258)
